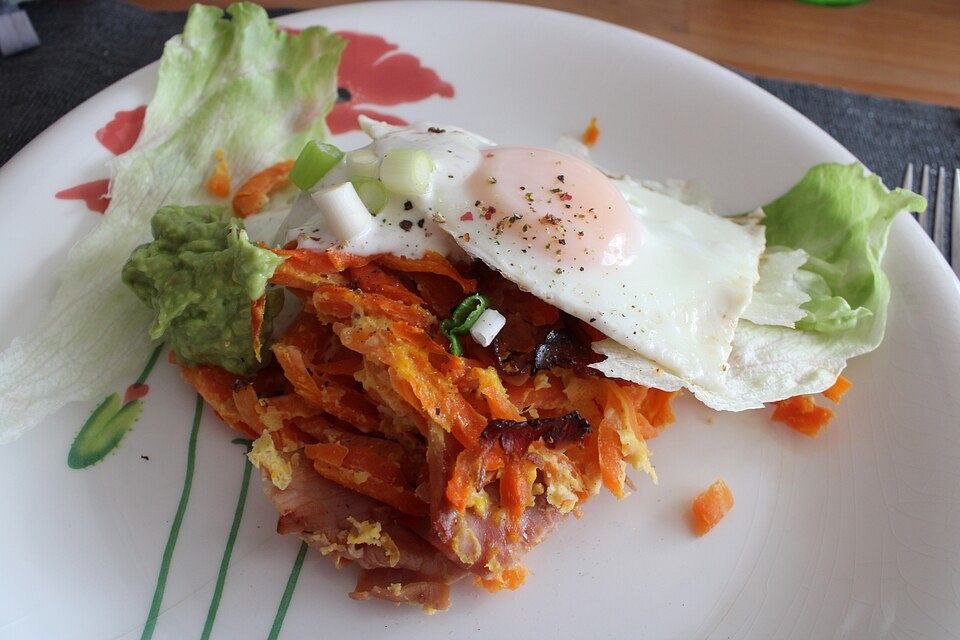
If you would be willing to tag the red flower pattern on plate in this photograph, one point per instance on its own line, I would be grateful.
(93, 194)
(372, 72)
(118, 136)
(120, 133)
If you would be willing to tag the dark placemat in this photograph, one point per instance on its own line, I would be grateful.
(89, 44)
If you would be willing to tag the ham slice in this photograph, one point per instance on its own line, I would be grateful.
(401, 586)
(350, 527)
(480, 544)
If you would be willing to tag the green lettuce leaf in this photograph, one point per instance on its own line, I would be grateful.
(234, 83)
(839, 215)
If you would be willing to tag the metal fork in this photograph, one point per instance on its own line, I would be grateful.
(948, 243)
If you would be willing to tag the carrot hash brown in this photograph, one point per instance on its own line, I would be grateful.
(380, 448)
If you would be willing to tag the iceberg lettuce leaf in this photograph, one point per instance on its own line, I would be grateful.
(839, 215)
(231, 82)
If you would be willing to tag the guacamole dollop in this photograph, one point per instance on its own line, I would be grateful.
(201, 275)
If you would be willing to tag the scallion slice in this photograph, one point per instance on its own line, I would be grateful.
(316, 159)
(463, 317)
(372, 193)
(407, 171)
(363, 162)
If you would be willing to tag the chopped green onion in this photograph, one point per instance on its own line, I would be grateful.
(372, 193)
(363, 162)
(455, 347)
(407, 171)
(463, 317)
(316, 159)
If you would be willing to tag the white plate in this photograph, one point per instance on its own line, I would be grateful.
(854, 534)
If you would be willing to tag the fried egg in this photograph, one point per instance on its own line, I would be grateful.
(665, 279)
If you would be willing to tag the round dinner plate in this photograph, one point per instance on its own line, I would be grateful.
(854, 534)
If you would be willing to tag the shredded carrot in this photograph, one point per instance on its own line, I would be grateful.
(372, 279)
(330, 453)
(256, 323)
(218, 183)
(253, 411)
(215, 386)
(358, 458)
(337, 400)
(591, 134)
(306, 270)
(610, 455)
(516, 492)
(347, 367)
(543, 391)
(327, 460)
(657, 408)
(710, 506)
(489, 387)
(802, 414)
(248, 404)
(430, 263)
(433, 394)
(462, 481)
(470, 471)
(309, 336)
(288, 406)
(253, 194)
(341, 303)
(391, 453)
(839, 388)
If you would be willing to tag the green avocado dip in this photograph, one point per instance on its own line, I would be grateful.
(201, 275)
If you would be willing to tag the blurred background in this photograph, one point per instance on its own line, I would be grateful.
(880, 76)
(899, 48)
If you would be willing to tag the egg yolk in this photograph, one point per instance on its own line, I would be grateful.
(554, 206)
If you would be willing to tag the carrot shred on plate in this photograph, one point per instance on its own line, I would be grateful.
(254, 194)
(838, 390)
(802, 414)
(511, 578)
(710, 506)
(591, 134)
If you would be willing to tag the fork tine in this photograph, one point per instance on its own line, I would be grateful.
(940, 216)
(908, 177)
(955, 224)
(924, 218)
(908, 182)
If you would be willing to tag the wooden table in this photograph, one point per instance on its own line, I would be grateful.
(900, 48)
